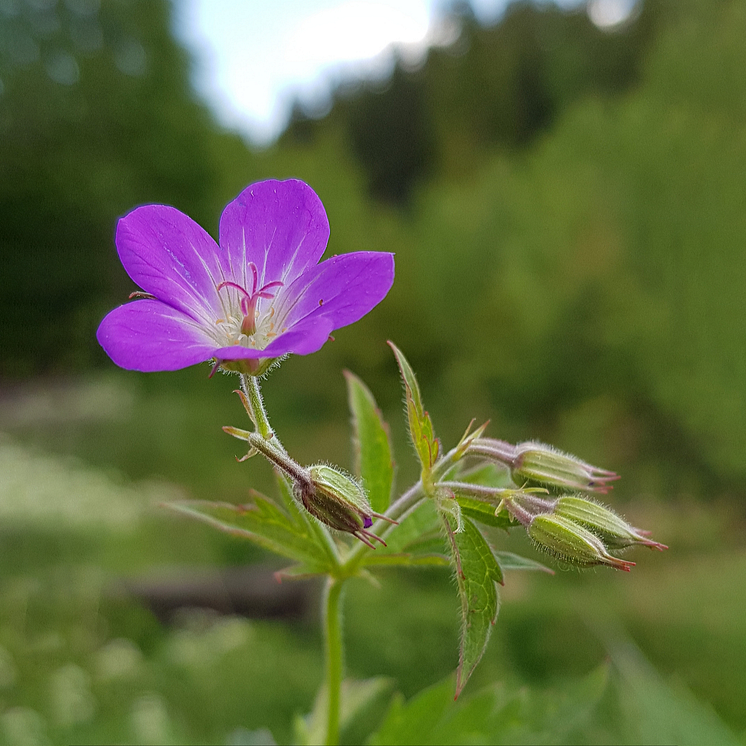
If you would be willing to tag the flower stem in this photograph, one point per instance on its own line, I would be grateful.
(258, 414)
(334, 656)
(250, 386)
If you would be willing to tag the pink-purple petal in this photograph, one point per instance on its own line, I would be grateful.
(148, 336)
(280, 226)
(341, 289)
(303, 339)
(171, 257)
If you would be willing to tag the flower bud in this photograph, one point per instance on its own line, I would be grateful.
(338, 501)
(571, 542)
(612, 529)
(541, 463)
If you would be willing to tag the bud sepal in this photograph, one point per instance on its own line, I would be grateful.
(338, 501)
(611, 528)
(572, 543)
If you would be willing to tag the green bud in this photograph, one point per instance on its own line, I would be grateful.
(541, 463)
(338, 501)
(571, 542)
(612, 529)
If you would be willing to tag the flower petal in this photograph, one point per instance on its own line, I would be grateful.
(280, 226)
(149, 336)
(341, 289)
(171, 257)
(305, 338)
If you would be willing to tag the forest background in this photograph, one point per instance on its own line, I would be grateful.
(568, 211)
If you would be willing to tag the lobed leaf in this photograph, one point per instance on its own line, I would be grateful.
(374, 462)
(264, 523)
(477, 573)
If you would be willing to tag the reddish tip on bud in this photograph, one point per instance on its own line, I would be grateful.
(544, 464)
(611, 528)
(571, 542)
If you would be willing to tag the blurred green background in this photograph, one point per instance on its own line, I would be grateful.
(568, 211)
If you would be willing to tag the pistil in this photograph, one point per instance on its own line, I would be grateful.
(249, 300)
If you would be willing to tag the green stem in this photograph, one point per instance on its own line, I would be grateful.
(250, 386)
(334, 656)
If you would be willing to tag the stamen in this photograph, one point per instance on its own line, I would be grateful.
(248, 302)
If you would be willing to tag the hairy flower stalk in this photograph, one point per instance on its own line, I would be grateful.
(536, 462)
(329, 495)
(575, 529)
(251, 299)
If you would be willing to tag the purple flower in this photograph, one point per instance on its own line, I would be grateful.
(259, 295)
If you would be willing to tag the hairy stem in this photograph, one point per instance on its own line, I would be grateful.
(250, 386)
(258, 414)
(334, 656)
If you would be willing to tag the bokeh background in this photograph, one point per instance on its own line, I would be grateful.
(567, 205)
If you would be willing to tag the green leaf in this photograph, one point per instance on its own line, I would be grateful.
(264, 523)
(432, 717)
(477, 573)
(420, 425)
(373, 458)
(422, 524)
(406, 560)
(497, 714)
(301, 571)
(484, 513)
(510, 561)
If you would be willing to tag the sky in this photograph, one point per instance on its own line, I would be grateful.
(255, 57)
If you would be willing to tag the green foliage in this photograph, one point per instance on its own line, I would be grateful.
(477, 573)
(96, 118)
(583, 286)
(421, 431)
(497, 86)
(373, 459)
(264, 523)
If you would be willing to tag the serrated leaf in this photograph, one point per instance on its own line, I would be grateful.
(263, 522)
(510, 561)
(420, 425)
(373, 456)
(477, 573)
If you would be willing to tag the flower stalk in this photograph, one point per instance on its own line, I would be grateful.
(334, 656)
(255, 406)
